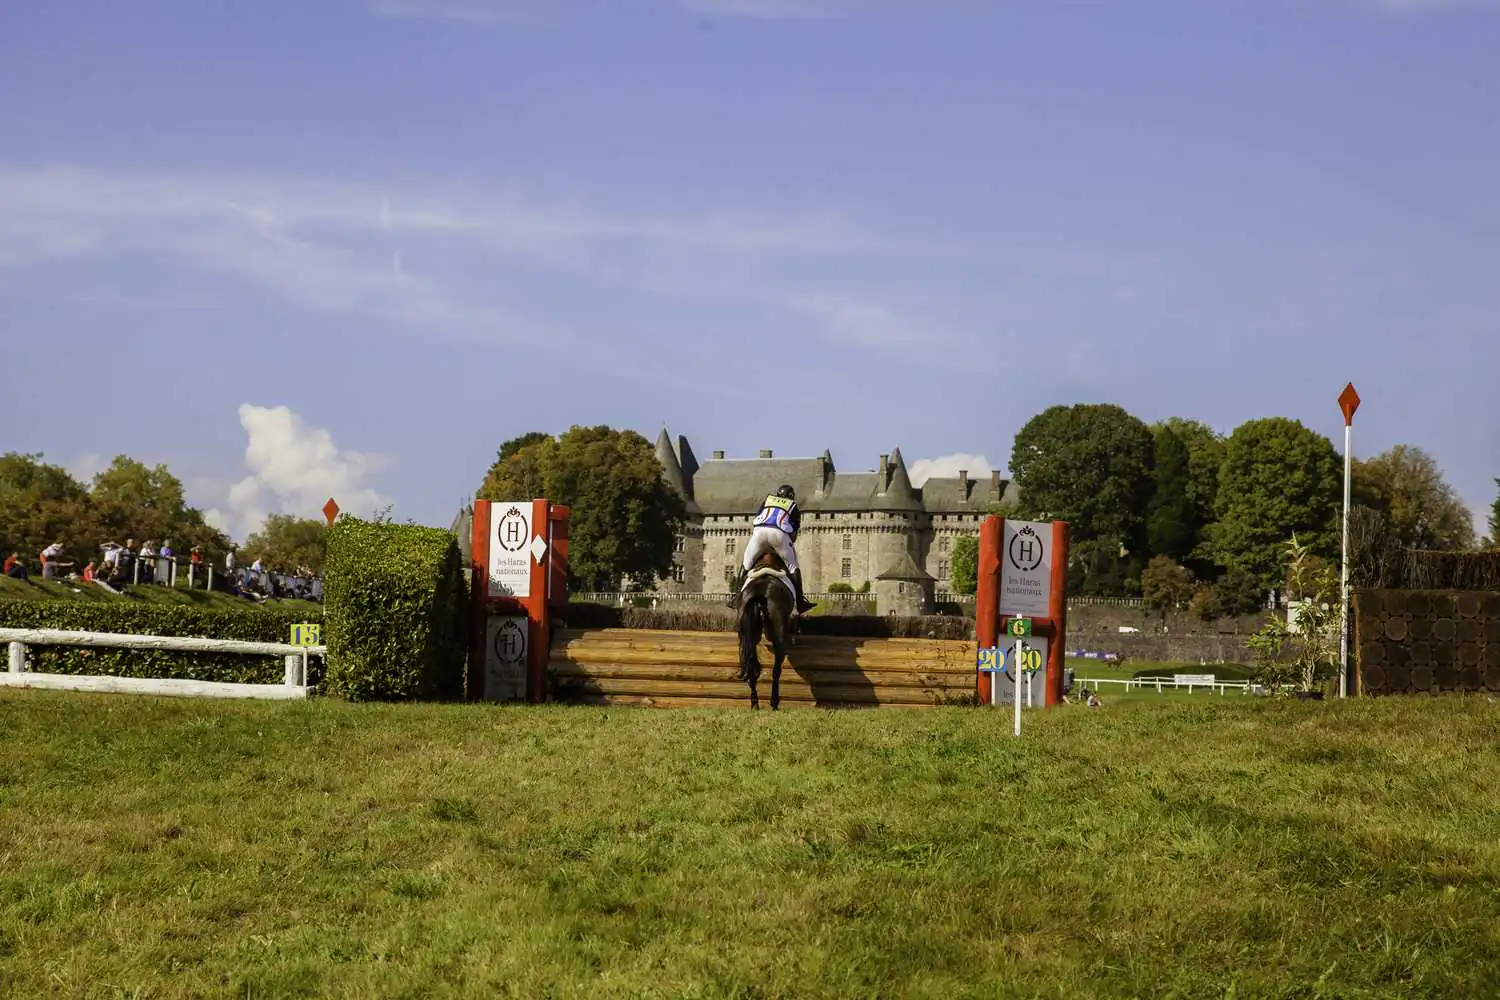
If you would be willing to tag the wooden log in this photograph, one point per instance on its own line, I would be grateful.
(727, 704)
(720, 660)
(834, 693)
(693, 672)
(726, 653)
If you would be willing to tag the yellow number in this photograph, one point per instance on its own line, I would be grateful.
(781, 502)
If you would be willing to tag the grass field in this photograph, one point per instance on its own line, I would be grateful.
(38, 589)
(1218, 848)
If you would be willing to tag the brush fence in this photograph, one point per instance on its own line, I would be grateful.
(614, 666)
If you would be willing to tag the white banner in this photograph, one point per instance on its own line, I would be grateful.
(510, 542)
(1026, 569)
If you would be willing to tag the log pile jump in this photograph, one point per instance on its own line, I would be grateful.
(620, 666)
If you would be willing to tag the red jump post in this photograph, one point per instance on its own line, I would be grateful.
(989, 623)
(519, 552)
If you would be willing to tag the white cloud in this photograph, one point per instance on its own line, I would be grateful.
(947, 467)
(862, 321)
(85, 467)
(294, 469)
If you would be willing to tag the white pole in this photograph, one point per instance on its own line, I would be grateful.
(1344, 569)
(17, 658)
(1015, 675)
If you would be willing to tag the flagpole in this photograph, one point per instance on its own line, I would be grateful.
(1348, 402)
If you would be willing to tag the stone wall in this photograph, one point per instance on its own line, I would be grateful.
(1426, 641)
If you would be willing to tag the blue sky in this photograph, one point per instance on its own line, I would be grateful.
(350, 246)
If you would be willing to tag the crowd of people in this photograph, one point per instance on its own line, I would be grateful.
(156, 564)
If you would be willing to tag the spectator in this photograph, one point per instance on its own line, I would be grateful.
(148, 562)
(229, 558)
(52, 561)
(166, 549)
(14, 568)
(88, 571)
(195, 560)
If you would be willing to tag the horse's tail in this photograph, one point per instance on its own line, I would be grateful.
(749, 630)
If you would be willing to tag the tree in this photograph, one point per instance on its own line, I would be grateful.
(963, 566)
(1421, 510)
(133, 500)
(1165, 585)
(1278, 479)
(1172, 522)
(515, 444)
(1495, 519)
(1306, 650)
(625, 516)
(41, 504)
(1205, 448)
(286, 544)
(1090, 465)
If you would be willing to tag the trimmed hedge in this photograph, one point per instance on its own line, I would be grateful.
(395, 598)
(585, 615)
(249, 625)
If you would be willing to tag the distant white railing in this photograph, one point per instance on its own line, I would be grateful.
(838, 597)
(293, 685)
(1164, 684)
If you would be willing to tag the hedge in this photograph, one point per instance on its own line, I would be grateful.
(395, 597)
(585, 615)
(250, 625)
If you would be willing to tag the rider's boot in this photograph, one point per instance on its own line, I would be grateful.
(736, 589)
(803, 604)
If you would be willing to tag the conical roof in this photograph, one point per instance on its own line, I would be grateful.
(905, 568)
(671, 468)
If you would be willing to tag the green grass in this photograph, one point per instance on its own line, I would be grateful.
(38, 589)
(1219, 848)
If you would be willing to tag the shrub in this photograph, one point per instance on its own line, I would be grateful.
(249, 625)
(395, 597)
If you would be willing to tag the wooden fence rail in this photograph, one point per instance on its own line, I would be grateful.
(293, 685)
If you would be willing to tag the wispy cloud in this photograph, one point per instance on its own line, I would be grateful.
(862, 321)
(332, 247)
(476, 12)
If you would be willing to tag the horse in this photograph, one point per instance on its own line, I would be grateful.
(766, 610)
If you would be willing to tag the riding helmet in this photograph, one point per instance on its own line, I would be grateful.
(786, 492)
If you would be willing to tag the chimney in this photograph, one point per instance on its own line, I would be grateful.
(765, 453)
(822, 473)
(885, 472)
(963, 484)
(995, 485)
(718, 456)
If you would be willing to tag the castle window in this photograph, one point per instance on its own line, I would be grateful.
(848, 542)
(729, 546)
(678, 574)
(943, 544)
(846, 568)
(943, 570)
(677, 546)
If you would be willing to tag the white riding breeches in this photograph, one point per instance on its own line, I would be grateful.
(768, 539)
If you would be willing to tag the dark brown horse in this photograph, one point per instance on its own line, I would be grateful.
(765, 611)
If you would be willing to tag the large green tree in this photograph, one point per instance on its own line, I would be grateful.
(1421, 510)
(41, 504)
(286, 544)
(1090, 465)
(625, 517)
(1205, 448)
(1278, 479)
(1172, 521)
(133, 500)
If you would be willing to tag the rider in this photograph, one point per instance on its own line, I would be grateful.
(775, 530)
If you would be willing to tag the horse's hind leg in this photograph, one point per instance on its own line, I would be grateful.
(776, 681)
(754, 700)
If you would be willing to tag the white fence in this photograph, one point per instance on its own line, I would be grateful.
(294, 683)
(1161, 685)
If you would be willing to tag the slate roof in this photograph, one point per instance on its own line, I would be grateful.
(905, 568)
(736, 486)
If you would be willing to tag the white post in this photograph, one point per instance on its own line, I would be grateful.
(303, 680)
(1015, 675)
(289, 674)
(1344, 569)
(17, 657)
